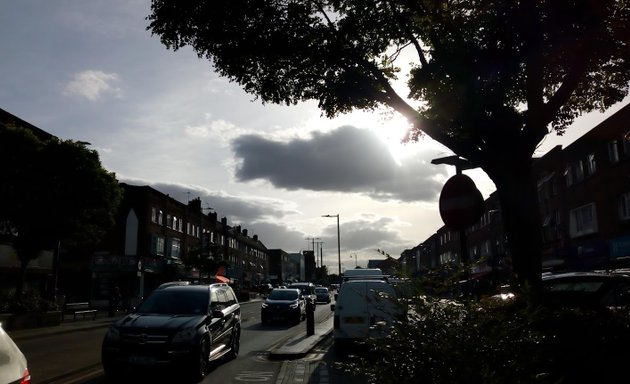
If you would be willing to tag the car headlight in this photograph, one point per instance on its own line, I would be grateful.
(185, 335)
(294, 305)
(264, 305)
(113, 334)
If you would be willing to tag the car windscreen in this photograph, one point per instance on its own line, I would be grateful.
(283, 295)
(176, 302)
(321, 290)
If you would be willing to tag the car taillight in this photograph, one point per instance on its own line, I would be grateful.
(26, 378)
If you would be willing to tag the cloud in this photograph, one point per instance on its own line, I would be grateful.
(347, 159)
(92, 85)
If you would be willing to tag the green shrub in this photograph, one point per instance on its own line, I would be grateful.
(445, 341)
(31, 301)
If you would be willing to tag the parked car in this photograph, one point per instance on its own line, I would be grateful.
(178, 325)
(13, 365)
(587, 289)
(283, 304)
(365, 309)
(307, 290)
(323, 295)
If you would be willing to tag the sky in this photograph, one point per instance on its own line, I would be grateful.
(90, 71)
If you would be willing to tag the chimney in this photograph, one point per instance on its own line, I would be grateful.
(224, 221)
(244, 232)
(195, 204)
(255, 237)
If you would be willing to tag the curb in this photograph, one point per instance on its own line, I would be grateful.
(301, 345)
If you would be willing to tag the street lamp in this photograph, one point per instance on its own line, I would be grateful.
(338, 245)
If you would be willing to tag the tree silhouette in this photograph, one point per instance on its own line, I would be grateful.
(488, 79)
(53, 190)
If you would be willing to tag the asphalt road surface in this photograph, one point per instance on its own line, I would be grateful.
(75, 357)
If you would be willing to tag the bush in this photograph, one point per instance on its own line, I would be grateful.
(31, 301)
(445, 341)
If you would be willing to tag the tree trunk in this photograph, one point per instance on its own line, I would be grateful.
(521, 218)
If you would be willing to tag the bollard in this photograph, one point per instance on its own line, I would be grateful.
(310, 318)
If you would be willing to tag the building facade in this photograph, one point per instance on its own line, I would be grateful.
(584, 204)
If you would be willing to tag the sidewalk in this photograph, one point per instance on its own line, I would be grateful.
(68, 325)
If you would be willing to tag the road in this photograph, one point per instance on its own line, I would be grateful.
(75, 357)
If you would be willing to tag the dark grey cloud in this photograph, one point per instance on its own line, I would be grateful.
(347, 159)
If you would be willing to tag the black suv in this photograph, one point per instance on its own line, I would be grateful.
(180, 325)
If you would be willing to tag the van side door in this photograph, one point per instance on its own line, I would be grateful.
(383, 308)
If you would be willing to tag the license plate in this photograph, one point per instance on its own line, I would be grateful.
(354, 320)
(141, 359)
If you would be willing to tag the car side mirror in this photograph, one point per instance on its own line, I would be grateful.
(336, 295)
(216, 313)
(332, 307)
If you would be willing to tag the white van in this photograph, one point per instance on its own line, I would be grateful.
(365, 308)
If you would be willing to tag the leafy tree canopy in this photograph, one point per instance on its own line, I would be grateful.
(53, 190)
(486, 78)
(484, 70)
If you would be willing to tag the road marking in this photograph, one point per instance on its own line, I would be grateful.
(254, 376)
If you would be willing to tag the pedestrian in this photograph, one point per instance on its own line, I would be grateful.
(114, 301)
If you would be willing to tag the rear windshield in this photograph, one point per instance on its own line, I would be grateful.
(321, 290)
(277, 294)
(305, 289)
(176, 302)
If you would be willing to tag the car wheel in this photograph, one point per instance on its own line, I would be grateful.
(235, 342)
(201, 361)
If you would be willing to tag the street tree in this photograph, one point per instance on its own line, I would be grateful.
(488, 79)
(53, 191)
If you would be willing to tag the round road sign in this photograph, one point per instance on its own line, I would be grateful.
(461, 203)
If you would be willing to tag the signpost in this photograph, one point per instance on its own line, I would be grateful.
(461, 203)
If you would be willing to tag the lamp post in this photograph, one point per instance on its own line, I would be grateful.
(338, 245)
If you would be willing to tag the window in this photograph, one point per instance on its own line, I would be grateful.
(568, 175)
(578, 167)
(174, 248)
(613, 152)
(157, 245)
(626, 143)
(591, 166)
(582, 220)
(446, 257)
(154, 215)
(160, 218)
(624, 206)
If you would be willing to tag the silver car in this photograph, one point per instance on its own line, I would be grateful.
(13, 367)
